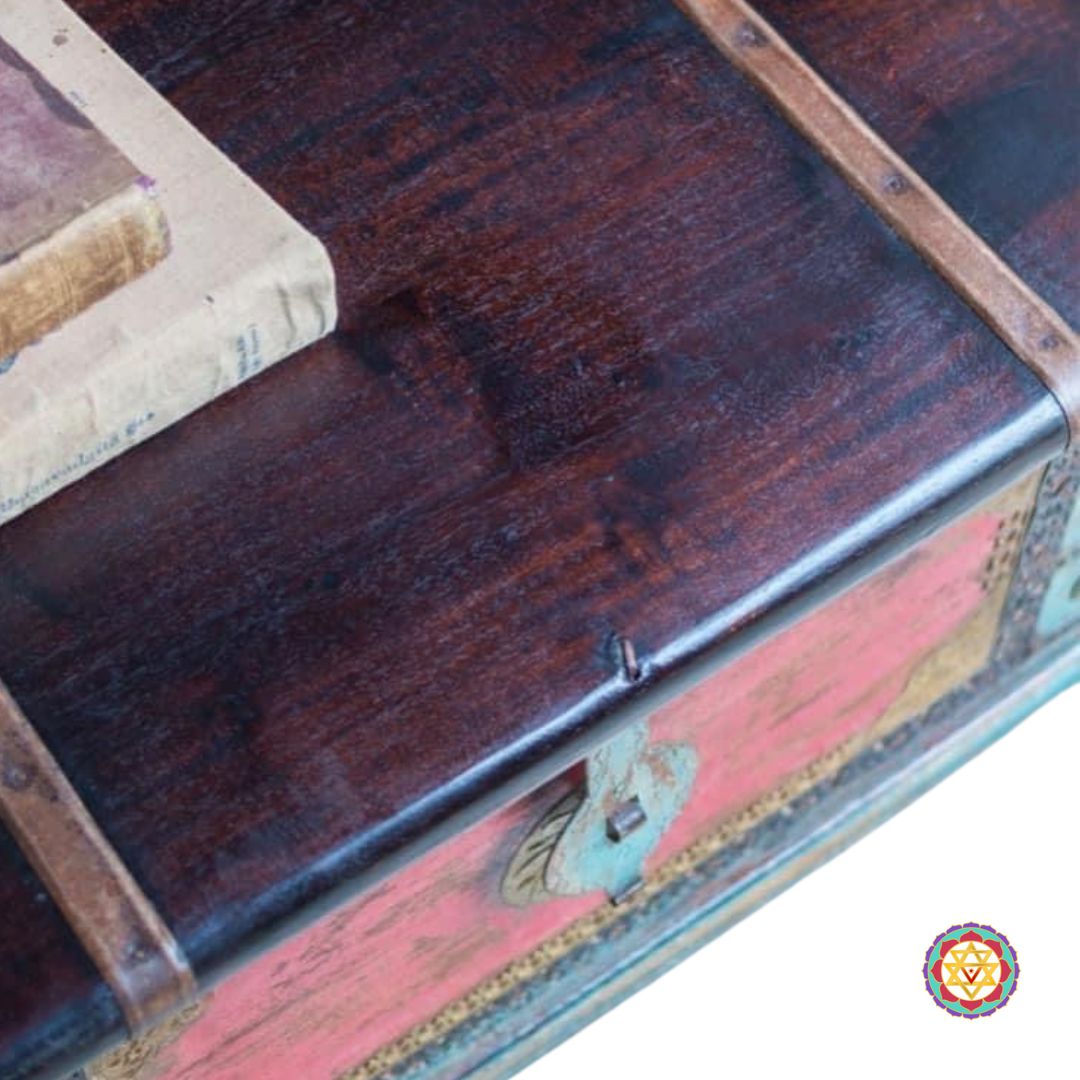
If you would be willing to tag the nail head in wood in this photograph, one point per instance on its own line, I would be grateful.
(749, 36)
(896, 183)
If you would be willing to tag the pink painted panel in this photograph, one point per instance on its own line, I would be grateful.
(322, 1002)
(790, 701)
(317, 1005)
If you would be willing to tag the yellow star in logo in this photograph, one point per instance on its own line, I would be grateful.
(973, 968)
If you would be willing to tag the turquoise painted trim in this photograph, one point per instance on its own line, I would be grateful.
(1061, 607)
(658, 934)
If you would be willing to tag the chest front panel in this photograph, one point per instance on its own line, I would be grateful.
(399, 965)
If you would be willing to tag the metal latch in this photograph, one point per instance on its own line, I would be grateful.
(600, 837)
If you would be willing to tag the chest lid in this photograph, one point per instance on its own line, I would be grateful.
(622, 358)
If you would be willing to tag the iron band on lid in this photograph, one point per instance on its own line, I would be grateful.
(1029, 325)
(124, 935)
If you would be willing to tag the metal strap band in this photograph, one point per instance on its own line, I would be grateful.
(1034, 331)
(118, 926)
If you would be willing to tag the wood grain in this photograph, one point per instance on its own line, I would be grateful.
(620, 355)
(56, 1008)
(1025, 321)
(112, 918)
(980, 98)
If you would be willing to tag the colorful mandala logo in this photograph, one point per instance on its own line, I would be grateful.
(971, 970)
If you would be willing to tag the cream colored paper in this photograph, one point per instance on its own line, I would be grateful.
(244, 285)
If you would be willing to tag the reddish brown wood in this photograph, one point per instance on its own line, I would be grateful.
(619, 356)
(1025, 321)
(980, 97)
(54, 1004)
(108, 912)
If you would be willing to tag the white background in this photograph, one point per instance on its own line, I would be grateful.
(826, 980)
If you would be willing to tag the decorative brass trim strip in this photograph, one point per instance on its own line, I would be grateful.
(1014, 311)
(118, 926)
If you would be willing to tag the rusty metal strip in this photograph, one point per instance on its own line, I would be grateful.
(118, 926)
(1015, 312)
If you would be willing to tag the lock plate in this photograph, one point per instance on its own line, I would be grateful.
(599, 838)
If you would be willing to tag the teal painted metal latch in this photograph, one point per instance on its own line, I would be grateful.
(600, 837)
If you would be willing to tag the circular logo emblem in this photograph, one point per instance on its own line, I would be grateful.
(971, 970)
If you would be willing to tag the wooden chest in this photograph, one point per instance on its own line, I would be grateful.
(688, 487)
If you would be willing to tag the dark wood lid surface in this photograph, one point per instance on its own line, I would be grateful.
(620, 355)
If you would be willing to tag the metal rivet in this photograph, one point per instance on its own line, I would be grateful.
(625, 819)
(748, 36)
(895, 184)
(628, 892)
(15, 775)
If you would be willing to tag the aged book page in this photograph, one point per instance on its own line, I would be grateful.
(77, 218)
(244, 285)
